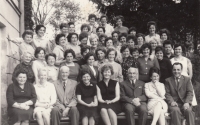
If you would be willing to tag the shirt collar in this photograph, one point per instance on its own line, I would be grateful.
(132, 80)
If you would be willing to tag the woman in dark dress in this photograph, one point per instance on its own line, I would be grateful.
(164, 63)
(87, 100)
(108, 93)
(20, 97)
(26, 66)
(128, 60)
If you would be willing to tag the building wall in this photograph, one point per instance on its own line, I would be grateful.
(9, 26)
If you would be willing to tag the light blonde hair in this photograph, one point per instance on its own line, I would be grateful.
(93, 36)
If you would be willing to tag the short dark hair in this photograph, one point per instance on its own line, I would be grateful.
(84, 48)
(177, 45)
(71, 23)
(50, 54)
(140, 35)
(154, 70)
(146, 45)
(133, 50)
(132, 29)
(87, 56)
(102, 35)
(177, 63)
(159, 48)
(104, 16)
(151, 23)
(126, 46)
(165, 31)
(92, 16)
(119, 17)
(129, 37)
(69, 51)
(108, 38)
(103, 49)
(167, 42)
(115, 32)
(38, 27)
(58, 38)
(82, 73)
(62, 25)
(85, 25)
(20, 71)
(107, 67)
(27, 32)
(37, 50)
(83, 35)
(70, 36)
(110, 50)
(101, 27)
(122, 35)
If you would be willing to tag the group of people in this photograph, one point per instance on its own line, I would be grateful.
(101, 72)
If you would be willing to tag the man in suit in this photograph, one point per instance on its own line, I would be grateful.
(179, 95)
(134, 98)
(66, 99)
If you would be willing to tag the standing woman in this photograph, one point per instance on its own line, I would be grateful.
(73, 44)
(26, 66)
(108, 94)
(40, 40)
(20, 97)
(155, 91)
(92, 23)
(101, 57)
(164, 63)
(152, 27)
(90, 68)
(69, 56)
(128, 60)
(145, 63)
(39, 63)
(87, 99)
(60, 48)
(140, 40)
(119, 23)
(164, 35)
(52, 70)
(117, 71)
(46, 98)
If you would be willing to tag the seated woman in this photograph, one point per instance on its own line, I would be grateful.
(69, 56)
(60, 48)
(39, 63)
(108, 94)
(155, 91)
(52, 70)
(73, 44)
(87, 99)
(90, 68)
(25, 43)
(20, 97)
(101, 57)
(46, 97)
(117, 71)
(26, 66)
(128, 60)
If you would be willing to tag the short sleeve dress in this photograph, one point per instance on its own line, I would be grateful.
(87, 95)
(16, 94)
(108, 93)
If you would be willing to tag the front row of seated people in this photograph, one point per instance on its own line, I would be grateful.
(48, 103)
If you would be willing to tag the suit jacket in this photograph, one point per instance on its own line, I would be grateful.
(86, 67)
(184, 91)
(66, 98)
(128, 92)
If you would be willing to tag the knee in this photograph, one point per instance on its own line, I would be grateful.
(103, 110)
(38, 115)
(143, 109)
(74, 109)
(55, 110)
(128, 108)
(174, 109)
(45, 114)
(188, 111)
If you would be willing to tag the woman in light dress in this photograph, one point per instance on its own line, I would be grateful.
(46, 97)
(152, 27)
(155, 91)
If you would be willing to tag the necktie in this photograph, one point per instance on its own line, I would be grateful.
(177, 82)
(64, 86)
(133, 83)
